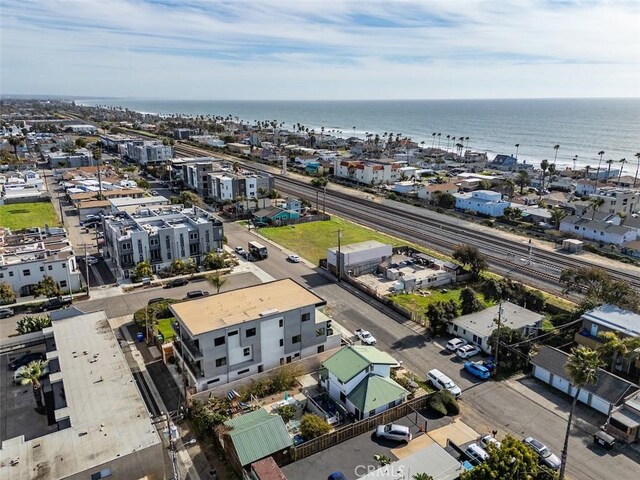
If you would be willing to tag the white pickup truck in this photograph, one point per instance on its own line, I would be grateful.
(365, 337)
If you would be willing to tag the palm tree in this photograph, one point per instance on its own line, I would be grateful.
(31, 374)
(596, 203)
(635, 179)
(601, 153)
(523, 180)
(517, 148)
(449, 137)
(422, 476)
(544, 165)
(582, 368)
(608, 162)
(216, 280)
(15, 142)
(622, 161)
(557, 214)
(439, 140)
(613, 346)
(555, 147)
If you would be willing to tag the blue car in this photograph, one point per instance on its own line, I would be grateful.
(477, 370)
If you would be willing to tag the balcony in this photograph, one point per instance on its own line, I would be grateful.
(583, 337)
(188, 344)
(195, 371)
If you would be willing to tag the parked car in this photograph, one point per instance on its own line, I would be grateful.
(337, 476)
(549, 459)
(155, 300)
(18, 376)
(196, 294)
(487, 440)
(178, 282)
(91, 260)
(154, 192)
(477, 370)
(393, 431)
(240, 251)
(440, 381)
(455, 344)
(365, 337)
(468, 351)
(25, 359)
(55, 303)
(477, 453)
(293, 259)
(6, 312)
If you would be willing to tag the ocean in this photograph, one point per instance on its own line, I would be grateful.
(581, 127)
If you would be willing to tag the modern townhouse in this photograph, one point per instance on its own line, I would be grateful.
(195, 174)
(26, 259)
(160, 235)
(149, 152)
(229, 186)
(80, 158)
(235, 334)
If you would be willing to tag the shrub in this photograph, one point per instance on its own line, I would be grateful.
(436, 404)
(450, 403)
(287, 412)
(312, 426)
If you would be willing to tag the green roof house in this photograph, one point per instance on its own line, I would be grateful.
(254, 436)
(359, 377)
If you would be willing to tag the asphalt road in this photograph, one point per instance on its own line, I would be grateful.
(486, 406)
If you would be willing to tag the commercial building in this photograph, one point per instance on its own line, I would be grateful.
(25, 259)
(485, 202)
(229, 186)
(477, 327)
(358, 258)
(239, 333)
(359, 378)
(160, 235)
(149, 152)
(104, 429)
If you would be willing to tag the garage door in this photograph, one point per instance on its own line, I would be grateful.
(560, 383)
(541, 373)
(599, 404)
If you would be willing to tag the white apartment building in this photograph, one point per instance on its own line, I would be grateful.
(618, 200)
(160, 234)
(25, 259)
(602, 232)
(149, 152)
(370, 173)
(486, 202)
(236, 334)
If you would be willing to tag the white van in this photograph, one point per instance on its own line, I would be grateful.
(440, 381)
(477, 453)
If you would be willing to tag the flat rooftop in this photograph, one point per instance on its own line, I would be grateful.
(615, 318)
(129, 201)
(243, 305)
(359, 247)
(107, 414)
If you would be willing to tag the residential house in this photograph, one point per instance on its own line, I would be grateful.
(586, 187)
(83, 129)
(609, 391)
(238, 148)
(255, 436)
(80, 158)
(183, 133)
(229, 186)
(504, 163)
(358, 258)
(113, 142)
(624, 420)
(160, 235)
(99, 425)
(431, 191)
(477, 327)
(274, 216)
(150, 152)
(601, 232)
(246, 331)
(359, 378)
(485, 202)
(618, 200)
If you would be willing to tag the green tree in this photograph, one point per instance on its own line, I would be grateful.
(287, 412)
(469, 302)
(216, 280)
(7, 295)
(15, 142)
(190, 199)
(382, 460)
(213, 261)
(513, 460)
(595, 204)
(444, 200)
(30, 324)
(141, 270)
(523, 180)
(471, 256)
(516, 356)
(557, 214)
(142, 183)
(582, 367)
(81, 143)
(544, 165)
(178, 267)
(440, 315)
(312, 426)
(97, 154)
(484, 185)
(47, 287)
(421, 476)
(31, 374)
(598, 287)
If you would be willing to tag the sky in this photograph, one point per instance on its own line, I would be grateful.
(332, 49)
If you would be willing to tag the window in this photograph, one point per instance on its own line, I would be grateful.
(320, 332)
(246, 370)
(343, 397)
(281, 323)
(320, 348)
(42, 269)
(306, 317)
(193, 236)
(219, 341)
(296, 339)
(247, 351)
(11, 274)
(182, 245)
(63, 283)
(64, 265)
(1, 275)
(230, 334)
(282, 342)
(50, 267)
(251, 332)
(220, 362)
(213, 381)
(26, 273)
(101, 474)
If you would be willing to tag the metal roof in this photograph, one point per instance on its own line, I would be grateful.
(257, 435)
(351, 360)
(375, 391)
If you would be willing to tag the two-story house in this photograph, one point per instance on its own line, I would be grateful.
(239, 333)
(486, 202)
(359, 378)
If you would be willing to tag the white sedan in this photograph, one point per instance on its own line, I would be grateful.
(293, 258)
(468, 351)
(92, 260)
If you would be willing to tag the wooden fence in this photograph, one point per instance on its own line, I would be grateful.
(349, 431)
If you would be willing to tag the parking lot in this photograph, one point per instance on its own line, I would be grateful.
(355, 457)
(19, 416)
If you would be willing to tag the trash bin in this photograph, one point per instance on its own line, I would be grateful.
(604, 439)
(140, 337)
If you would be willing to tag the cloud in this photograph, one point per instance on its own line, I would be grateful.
(338, 49)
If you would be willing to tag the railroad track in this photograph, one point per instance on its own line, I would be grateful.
(501, 253)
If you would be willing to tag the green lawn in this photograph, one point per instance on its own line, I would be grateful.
(164, 327)
(311, 240)
(27, 215)
(418, 303)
